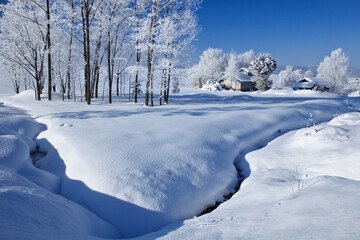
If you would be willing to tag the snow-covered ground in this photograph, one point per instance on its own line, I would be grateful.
(303, 185)
(30, 207)
(139, 169)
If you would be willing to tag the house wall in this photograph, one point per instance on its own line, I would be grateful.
(238, 86)
(247, 86)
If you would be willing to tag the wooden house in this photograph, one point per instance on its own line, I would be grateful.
(316, 84)
(232, 83)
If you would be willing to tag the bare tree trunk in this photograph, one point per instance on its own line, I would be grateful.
(162, 87)
(88, 69)
(37, 78)
(118, 81)
(168, 81)
(85, 11)
(149, 65)
(138, 58)
(97, 84)
(48, 37)
(150, 56)
(68, 71)
(96, 67)
(109, 68)
(129, 89)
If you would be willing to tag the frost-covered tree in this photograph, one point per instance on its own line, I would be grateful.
(51, 39)
(286, 78)
(210, 68)
(63, 47)
(245, 59)
(23, 29)
(262, 67)
(89, 9)
(115, 22)
(298, 74)
(334, 69)
(237, 61)
(178, 28)
(138, 38)
(232, 69)
(309, 74)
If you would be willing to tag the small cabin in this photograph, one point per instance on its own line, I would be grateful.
(232, 83)
(315, 84)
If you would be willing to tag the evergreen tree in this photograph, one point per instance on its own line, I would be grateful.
(262, 67)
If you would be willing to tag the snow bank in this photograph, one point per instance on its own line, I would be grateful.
(153, 166)
(303, 185)
(29, 209)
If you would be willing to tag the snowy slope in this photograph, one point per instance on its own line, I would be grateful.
(140, 168)
(29, 207)
(303, 185)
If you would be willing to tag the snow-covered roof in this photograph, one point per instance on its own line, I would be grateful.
(243, 78)
(246, 71)
(309, 83)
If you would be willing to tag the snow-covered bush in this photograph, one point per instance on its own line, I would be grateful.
(212, 86)
(334, 70)
(262, 67)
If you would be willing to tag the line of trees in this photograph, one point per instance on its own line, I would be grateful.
(214, 65)
(333, 70)
(70, 43)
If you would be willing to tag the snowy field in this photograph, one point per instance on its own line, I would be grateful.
(125, 170)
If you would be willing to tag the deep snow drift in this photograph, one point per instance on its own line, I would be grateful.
(141, 168)
(29, 207)
(303, 185)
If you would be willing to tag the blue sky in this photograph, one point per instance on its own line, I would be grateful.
(294, 32)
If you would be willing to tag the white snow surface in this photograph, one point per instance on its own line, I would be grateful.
(141, 168)
(30, 207)
(303, 185)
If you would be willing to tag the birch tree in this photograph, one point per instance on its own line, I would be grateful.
(89, 9)
(138, 37)
(178, 29)
(117, 16)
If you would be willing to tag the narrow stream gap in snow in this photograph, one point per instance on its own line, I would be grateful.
(37, 155)
(242, 174)
(240, 178)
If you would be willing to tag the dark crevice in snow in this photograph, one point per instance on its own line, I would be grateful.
(243, 169)
(37, 155)
(240, 178)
